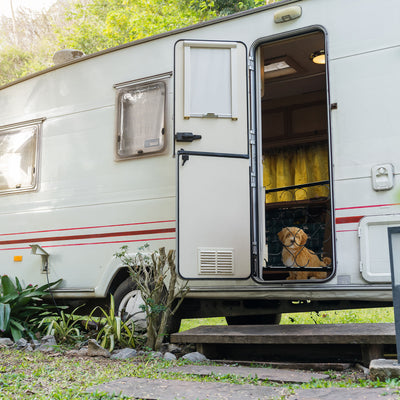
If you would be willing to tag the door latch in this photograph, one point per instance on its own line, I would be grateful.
(186, 137)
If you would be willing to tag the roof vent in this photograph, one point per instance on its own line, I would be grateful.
(66, 55)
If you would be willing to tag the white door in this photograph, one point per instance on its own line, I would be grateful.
(211, 142)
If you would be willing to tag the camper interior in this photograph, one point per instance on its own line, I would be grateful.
(295, 149)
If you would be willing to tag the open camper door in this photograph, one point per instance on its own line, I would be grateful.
(211, 143)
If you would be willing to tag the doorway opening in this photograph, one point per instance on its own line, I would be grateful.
(295, 160)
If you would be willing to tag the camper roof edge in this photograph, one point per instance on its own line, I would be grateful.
(154, 37)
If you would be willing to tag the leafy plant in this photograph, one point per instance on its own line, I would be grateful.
(156, 278)
(112, 329)
(22, 309)
(65, 327)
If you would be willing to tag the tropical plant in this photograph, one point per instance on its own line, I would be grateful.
(112, 330)
(65, 327)
(156, 278)
(22, 309)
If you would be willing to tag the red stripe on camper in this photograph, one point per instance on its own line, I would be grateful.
(90, 244)
(87, 227)
(88, 236)
(349, 220)
(370, 206)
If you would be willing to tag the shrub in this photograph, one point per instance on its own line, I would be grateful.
(156, 278)
(112, 330)
(22, 309)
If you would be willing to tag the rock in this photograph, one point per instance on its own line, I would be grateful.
(155, 354)
(95, 350)
(49, 340)
(383, 369)
(6, 342)
(169, 356)
(195, 357)
(174, 349)
(124, 354)
(28, 348)
(47, 344)
(83, 352)
(21, 343)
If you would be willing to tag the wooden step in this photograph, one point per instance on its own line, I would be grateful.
(329, 342)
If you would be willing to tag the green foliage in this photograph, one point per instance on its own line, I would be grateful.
(22, 309)
(100, 24)
(371, 315)
(156, 278)
(29, 39)
(65, 327)
(112, 330)
(226, 7)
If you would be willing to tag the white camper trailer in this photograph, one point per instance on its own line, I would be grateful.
(214, 140)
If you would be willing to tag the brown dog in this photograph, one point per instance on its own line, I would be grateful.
(295, 254)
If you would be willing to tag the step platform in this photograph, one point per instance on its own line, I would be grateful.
(301, 343)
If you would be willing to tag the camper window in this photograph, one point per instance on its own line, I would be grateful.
(18, 148)
(141, 119)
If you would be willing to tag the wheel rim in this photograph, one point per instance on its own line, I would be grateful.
(131, 311)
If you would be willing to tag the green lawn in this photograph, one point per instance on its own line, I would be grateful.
(323, 317)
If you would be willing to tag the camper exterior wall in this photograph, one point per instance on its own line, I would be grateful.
(87, 204)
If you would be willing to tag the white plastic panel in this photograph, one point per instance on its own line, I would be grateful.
(214, 217)
(374, 247)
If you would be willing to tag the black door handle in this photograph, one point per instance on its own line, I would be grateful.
(186, 137)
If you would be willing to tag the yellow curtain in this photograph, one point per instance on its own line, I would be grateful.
(296, 166)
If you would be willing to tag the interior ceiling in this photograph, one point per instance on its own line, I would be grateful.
(310, 78)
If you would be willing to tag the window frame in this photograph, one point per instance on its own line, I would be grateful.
(10, 129)
(125, 87)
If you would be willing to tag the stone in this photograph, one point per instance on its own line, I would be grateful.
(21, 343)
(267, 374)
(174, 349)
(65, 55)
(47, 344)
(195, 357)
(6, 342)
(95, 350)
(83, 352)
(49, 340)
(169, 356)
(155, 354)
(123, 354)
(383, 369)
(28, 348)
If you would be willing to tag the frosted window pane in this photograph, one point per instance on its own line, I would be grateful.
(17, 158)
(210, 81)
(142, 120)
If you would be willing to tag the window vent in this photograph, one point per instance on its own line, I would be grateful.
(215, 261)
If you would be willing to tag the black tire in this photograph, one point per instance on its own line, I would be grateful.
(265, 319)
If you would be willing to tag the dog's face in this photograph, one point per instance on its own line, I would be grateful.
(292, 237)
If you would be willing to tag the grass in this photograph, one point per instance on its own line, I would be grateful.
(38, 376)
(322, 317)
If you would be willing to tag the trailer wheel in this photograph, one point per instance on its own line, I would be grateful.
(265, 319)
(128, 302)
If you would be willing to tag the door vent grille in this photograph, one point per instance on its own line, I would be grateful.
(215, 261)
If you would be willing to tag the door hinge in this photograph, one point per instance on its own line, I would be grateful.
(361, 266)
(254, 248)
(251, 63)
(253, 180)
(359, 231)
(252, 138)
